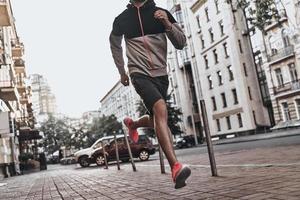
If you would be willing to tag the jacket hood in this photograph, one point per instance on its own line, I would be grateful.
(148, 4)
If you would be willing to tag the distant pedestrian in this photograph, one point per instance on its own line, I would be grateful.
(146, 28)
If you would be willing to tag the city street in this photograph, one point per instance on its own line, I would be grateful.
(264, 169)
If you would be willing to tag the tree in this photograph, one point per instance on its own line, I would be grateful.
(174, 116)
(56, 134)
(103, 126)
(260, 13)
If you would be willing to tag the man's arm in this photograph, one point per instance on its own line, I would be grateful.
(173, 29)
(117, 52)
(115, 40)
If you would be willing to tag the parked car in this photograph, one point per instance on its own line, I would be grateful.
(185, 141)
(68, 160)
(142, 150)
(83, 156)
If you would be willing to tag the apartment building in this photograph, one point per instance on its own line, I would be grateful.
(280, 60)
(182, 75)
(43, 100)
(225, 68)
(15, 106)
(120, 101)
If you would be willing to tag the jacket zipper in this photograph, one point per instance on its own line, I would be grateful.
(146, 44)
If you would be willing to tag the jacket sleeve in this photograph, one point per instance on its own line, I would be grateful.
(115, 40)
(117, 52)
(176, 36)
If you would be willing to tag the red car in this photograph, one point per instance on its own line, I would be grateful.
(142, 150)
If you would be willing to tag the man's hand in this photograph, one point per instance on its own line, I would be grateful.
(125, 79)
(162, 16)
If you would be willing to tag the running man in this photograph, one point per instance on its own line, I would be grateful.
(146, 29)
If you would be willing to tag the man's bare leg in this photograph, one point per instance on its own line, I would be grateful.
(162, 131)
(144, 121)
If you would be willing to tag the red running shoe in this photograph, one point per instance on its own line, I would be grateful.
(133, 134)
(180, 174)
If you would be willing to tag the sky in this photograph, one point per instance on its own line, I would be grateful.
(66, 41)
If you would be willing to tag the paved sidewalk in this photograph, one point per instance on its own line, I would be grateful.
(262, 136)
(264, 173)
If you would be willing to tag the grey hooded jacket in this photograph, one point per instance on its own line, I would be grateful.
(145, 38)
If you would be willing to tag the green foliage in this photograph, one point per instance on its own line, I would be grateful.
(58, 133)
(174, 117)
(103, 126)
(261, 14)
(24, 157)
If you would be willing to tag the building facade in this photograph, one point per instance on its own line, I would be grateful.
(280, 59)
(43, 100)
(16, 115)
(120, 101)
(224, 72)
(181, 75)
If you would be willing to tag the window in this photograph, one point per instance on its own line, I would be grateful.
(210, 83)
(279, 77)
(240, 46)
(239, 116)
(225, 50)
(231, 78)
(254, 117)
(224, 100)
(198, 22)
(217, 5)
(245, 69)
(221, 25)
(206, 61)
(213, 100)
(219, 73)
(228, 122)
(285, 38)
(293, 72)
(235, 97)
(297, 101)
(179, 17)
(272, 43)
(206, 13)
(202, 42)
(286, 111)
(249, 91)
(211, 35)
(215, 56)
(218, 124)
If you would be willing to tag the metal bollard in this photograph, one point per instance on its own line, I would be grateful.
(104, 154)
(117, 150)
(210, 148)
(161, 160)
(129, 150)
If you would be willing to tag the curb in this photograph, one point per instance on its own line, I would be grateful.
(252, 138)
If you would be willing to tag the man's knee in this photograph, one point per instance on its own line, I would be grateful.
(160, 109)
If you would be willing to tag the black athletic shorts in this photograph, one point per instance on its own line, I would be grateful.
(150, 89)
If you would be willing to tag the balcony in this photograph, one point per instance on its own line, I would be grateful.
(287, 87)
(21, 86)
(17, 49)
(20, 66)
(24, 100)
(6, 18)
(1, 47)
(8, 91)
(281, 54)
